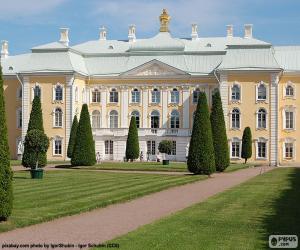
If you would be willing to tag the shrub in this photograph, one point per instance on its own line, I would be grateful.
(165, 147)
(6, 190)
(218, 127)
(84, 148)
(201, 158)
(247, 144)
(132, 143)
(72, 137)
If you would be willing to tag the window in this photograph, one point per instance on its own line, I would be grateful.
(261, 149)
(175, 96)
(173, 151)
(58, 117)
(261, 118)
(19, 118)
(109, 147)
(196, 94)
(175, 119)
(289, 150)
(155, 94)
(58, 93)
(289, 119)
(235, 118)
(155, 119)
(37, 91)
(136, 114)
(135, 96)
(57, 147)
(96, 118)
(235, 148)
(113, 119)
(235, 93)
(289, 91)
(261, 92)
(19, 93)
(113, 96)
(96, 96)
(151, 147)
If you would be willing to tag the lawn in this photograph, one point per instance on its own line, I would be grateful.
(151, 166)
(241, 218)
(63, 193)
(19, 162)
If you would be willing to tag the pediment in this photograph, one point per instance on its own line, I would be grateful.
(154, 68)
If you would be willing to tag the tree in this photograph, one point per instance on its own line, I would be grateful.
(37, 142)
(35, 122)
(6, 190)
(84, 148)
(132, 143)
(201, 158)
(247, 144)
(165, 147)
(72, 137)
(218, 127)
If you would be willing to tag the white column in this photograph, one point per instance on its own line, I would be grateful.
(103, 91)
(224, 95)
(69, 111)
(274, 119)
(186, 106)
(145, 106)
(25, 105)
(164, 107)
(124, 107)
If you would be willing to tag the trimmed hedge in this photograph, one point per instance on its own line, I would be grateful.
(247, 144)
(132, 143)
(72, 138)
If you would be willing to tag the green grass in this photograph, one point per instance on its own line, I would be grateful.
(63, 193)
(151, 166)
(19, 162)
(241, 218)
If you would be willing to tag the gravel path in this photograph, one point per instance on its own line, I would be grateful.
(107, 223)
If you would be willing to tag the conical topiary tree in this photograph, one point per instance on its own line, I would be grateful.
(6, 191)
(132, 143)
(219, 133)
(84, 148)
(247, 144)
(35, 122)
(72, 137)
(201, 158)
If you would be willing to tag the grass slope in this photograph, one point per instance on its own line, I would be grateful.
(63, 193)
(241, 218)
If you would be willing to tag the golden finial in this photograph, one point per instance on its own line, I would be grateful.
(164, 19)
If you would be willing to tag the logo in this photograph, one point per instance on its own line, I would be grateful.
(283, 241)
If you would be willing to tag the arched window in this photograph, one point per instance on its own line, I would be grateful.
(113, 119)
(136, 114)
(235, 93)
(261, 92)
(113, 96)
(155, 119)
(196, 94)
(289, 91)
(135, 96)
(58, 93)
(96, 96)
(174, 96)
(37, 91)
(235, 118)
(262, 118)
(96, 118)
(155, 96)
(58, 117)
(175, 119)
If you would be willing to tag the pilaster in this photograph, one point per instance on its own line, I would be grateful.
(70, 109)
(164, 107)
(25, 105)
(124, 106)
(104, 118)
(224, 95)
(145, 106)
(186, 106)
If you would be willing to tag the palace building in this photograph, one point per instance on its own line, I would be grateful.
(158, 80)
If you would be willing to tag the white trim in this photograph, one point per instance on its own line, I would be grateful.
(18, 117)
(267, 92)
(289, 140)
(54, 93)
(284, 87)
(62, 117)
(57, 137)
(289, 109)
(235, 83)
(230, 119)
(235, 139)
(256, 119)
(261, 139)
(32, 91)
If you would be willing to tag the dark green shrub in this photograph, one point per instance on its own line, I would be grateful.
(132, 143)
(165, 147)
(72, 137)
(201, 158)
(247, 144)
(84, 148)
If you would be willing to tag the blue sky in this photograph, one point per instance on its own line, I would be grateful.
(27, 23)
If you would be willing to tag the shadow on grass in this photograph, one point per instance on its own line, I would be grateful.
(21, 177)
(285, 217)
(63, 166)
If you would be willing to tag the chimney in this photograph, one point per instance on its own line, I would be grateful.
(131, 33)
(64, 36)
(103, 32)
(248, 31)
(4, 49)
(194, 34)
(229, 29)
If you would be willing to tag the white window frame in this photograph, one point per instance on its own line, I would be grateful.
(293, 142)
(54, 118)
(152, 145)
(289, 109)
(113, 94)
(135, 96)
(289, 84)
(198, 94)
(256, 92)
(174, 96)
(239, 141)
(56, 138)
(110, 120)
(261, 140)
(19, 116)
(175, 116)
(257, 115)
(54, 92)
(109, 147)
(98, 121)
(159, 118)
(230, 93)
(230, 117)
(97, 95)
(138, 123)
(155, 99)
(32, 91)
